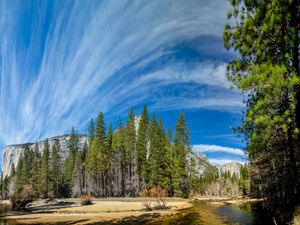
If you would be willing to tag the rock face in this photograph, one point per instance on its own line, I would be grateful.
(201, 163)
(231, 167)
(12, 153)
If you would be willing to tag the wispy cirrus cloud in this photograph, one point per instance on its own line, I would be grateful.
(61, 62)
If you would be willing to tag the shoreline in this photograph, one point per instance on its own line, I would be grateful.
(106, 211)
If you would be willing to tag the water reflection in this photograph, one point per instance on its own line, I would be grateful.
(206, 214)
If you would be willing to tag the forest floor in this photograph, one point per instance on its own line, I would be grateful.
(102, 211)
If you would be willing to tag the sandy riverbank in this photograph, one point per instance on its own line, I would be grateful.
(215, 200)
(102, 211)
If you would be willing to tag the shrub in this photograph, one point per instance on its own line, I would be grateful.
(160, 195)
(144, 193)
(27, 192)
(86, 199)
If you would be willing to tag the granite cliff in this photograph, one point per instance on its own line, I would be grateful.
(12, 153)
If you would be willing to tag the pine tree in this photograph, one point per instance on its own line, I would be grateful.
(91, 132)
(69, 165)
(141, 146)
(171, 150)
(23, 172)
(265, 35)
(130, 147)
(152, 159)
(182, 147)
(163, 158)
(110, 155)
(20, 174)
(97, 157)
(109, 139)
(45, 169)
(55, 168)
(35, 179)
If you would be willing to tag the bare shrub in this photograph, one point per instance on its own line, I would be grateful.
(160, 195)
(27, 192)
(144, 193)
(86, 199)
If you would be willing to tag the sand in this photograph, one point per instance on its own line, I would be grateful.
(105, 211)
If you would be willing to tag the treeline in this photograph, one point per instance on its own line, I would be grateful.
(136, 156)
(215, 183)
(266, 35)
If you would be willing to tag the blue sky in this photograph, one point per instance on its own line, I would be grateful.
(61, 62)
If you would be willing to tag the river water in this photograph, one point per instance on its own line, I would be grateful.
(205, 213)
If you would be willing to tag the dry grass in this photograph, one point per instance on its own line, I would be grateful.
(99, 211)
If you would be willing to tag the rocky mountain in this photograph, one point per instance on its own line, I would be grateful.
(201, 163)
(12, 153)
(232, 167)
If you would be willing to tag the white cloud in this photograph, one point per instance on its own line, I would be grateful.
(216, 148)
(216, 162)
(82, 65)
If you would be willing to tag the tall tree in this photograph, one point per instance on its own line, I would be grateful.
(109, 152)
(55, 167)
(91, 132)
(151, 176)
(182, 148)
(130, 147)
(163, 158)
(141, 145)
(35, 171)
(45, 169)
(69, 165)
(266, 36)
(97, 157)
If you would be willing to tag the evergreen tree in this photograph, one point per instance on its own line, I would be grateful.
(163, 159)
(35, 171)
(118, 163)
(85, 149)
(265, 35)
(109, 152)
(131, 153)
(109, 139)
(45, 169)
(97, 158)
(141, 145)
(69, 165)
(182, 147)
(55, 168)
(20, 174)
(151, 177)
(23, 172)
(91, 132)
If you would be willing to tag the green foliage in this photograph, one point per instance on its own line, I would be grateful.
(35, 171)
(126, 161)
(141, 144)
(265, 35)
(182, 148)
(91, 132)
(69, 164)
(45, 169)
(55, 168)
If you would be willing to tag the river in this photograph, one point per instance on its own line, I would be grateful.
(205, 213)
